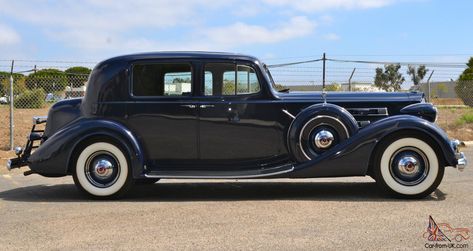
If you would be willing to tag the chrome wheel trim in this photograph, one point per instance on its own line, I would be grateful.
(308, 122)
(102, 169)
(409, 166)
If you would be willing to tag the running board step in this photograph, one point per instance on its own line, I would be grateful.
(200, 174)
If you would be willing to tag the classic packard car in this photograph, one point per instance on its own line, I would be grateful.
(186, 115)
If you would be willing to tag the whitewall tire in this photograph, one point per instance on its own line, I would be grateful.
(102, 170)
(408, 167)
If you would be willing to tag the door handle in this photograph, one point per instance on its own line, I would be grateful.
(206, 106)
(189, 106)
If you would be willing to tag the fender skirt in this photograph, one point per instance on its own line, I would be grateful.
(352, 157)
(54, 156)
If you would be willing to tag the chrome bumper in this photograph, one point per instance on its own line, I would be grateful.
(460, 156)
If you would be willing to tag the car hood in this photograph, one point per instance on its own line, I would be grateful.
(356, 96)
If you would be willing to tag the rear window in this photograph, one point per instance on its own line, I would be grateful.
(162, 79)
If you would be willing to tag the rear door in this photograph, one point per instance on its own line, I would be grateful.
(163, 113)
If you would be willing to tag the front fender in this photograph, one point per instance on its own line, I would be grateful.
(54, 156)
(352, 156)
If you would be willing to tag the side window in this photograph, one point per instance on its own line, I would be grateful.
(229, 79)
(162, 79)
(247, 80)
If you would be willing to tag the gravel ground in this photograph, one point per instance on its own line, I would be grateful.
(324, 214)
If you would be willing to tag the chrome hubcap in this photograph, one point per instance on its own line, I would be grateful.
(323, 139)
(102, 169)
(409, 166)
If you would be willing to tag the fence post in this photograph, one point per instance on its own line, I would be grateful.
(428, 86)
(12, 125)
(349, 80)
(323, 72)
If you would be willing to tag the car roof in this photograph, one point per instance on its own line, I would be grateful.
(181, 54)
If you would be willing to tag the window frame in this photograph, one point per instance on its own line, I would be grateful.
(163, 61)
(236, 64)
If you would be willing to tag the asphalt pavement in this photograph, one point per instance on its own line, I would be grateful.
(283, 214)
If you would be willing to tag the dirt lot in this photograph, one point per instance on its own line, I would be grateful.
(314, 214)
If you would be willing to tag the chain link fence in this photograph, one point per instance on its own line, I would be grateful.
(34, 94)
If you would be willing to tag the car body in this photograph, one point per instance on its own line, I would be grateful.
(217, 115)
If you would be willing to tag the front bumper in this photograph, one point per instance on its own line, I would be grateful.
(462, 162)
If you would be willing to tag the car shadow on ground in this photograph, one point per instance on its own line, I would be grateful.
(218, 191)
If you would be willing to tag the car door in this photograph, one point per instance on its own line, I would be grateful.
(239, 128)
(163, 114)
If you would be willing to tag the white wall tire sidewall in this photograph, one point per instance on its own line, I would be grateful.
(431, 157)
(82, 160)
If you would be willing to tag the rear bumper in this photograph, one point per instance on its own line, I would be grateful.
(24, 154)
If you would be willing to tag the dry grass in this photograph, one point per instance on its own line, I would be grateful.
(447, 101)
(452, 120)
(448, 119)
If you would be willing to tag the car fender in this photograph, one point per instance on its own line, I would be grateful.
(54, 156)
(352, 157)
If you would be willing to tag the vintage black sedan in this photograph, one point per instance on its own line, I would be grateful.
(185, 115)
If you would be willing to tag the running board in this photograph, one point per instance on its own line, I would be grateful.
(196, 174)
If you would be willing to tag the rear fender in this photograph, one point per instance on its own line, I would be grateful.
(55, 155)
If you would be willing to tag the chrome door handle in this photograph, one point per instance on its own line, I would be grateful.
(206, 106)
(189, 106)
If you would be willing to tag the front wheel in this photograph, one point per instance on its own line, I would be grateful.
(102, 170)
(408, 167)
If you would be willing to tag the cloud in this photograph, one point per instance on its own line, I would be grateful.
(331, 37)
(325, 5)
(8, 36)
(242, 34)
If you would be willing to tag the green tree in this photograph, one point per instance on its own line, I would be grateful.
(464, 87)
(77, 76)
(417, 74)
(18, 83)
(51, 80)
(389, 79)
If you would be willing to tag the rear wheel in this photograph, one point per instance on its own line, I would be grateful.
(102, 170)
(408, 167)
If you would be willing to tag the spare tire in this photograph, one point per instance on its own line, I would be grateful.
(317, 129)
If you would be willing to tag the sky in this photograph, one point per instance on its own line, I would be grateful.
(273, 30)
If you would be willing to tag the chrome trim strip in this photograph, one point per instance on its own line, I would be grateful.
(219, 177)
(288, 113)
(381, 111)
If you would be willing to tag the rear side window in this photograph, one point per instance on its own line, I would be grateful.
(223, 79)
(162, 79)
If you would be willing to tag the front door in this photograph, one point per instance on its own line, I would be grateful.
(163, 114)
(238, 128)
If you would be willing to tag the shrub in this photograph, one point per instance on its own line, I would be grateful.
(467, 117)
(30, 99)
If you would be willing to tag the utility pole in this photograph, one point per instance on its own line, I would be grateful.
(323, 72)
(349, 80)
(12, 125)
(428, 85)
